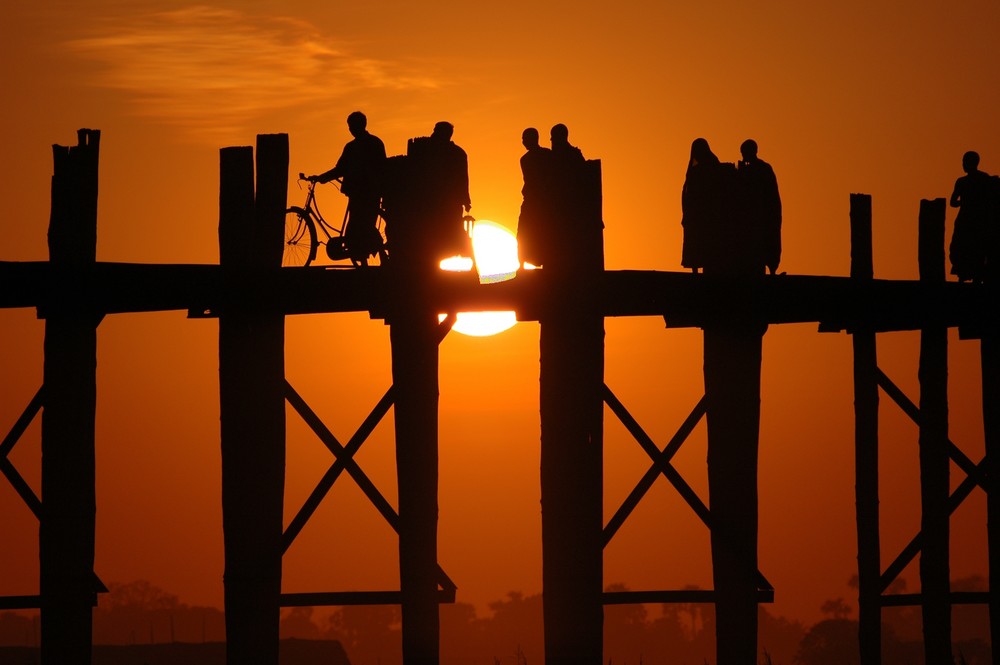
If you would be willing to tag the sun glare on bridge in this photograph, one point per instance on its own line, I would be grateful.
(495, 251)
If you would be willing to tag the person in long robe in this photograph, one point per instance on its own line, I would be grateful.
(704, 207)
(759, 210)
(974, 196)
(533, 241)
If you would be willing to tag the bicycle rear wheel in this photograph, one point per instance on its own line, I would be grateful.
(300, 238)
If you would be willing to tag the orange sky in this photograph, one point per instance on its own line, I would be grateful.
(842, 98)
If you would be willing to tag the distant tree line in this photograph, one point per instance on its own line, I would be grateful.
(140, 613)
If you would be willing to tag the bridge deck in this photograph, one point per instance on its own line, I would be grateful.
(684, 299)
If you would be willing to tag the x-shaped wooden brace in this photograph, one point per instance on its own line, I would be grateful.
(344, 461)
(975, 475)
(15, 479)
(27, 495)
(661, 466)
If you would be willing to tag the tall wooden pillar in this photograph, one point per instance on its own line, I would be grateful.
(572, 423)
(866, 445)
(414, 336)
(732, 358)
(252, 404)
(69, 506)
(934, 461)
(990, 359)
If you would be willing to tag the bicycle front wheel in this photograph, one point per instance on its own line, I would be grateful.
(300, 238)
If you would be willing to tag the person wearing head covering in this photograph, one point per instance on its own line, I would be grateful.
(702, 208)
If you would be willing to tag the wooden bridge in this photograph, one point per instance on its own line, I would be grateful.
(251, 295)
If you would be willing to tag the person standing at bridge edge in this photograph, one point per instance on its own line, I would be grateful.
(706, 210)
(361, 169)
(760, 208)
(975, 195)
(452, 167)
(533, 240)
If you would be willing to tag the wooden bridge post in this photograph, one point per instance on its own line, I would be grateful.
(252, 403)
(69, 505)
(866, 445)
(732, 359)
(934, 461)
(414, 337)
(571, 380)
(990, 363)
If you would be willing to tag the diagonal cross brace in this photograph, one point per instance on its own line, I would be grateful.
(15, 479)
(975, 476)
(912, 548)
(661, 465)
(28, 495)
(960, 459)
(344, 461)
(661, 461)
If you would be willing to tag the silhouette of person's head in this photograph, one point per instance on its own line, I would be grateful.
(529, 138)
(701, 153)
(356, 123)
(559, 135)
(748, 149)
(970, 161)
(443, 131)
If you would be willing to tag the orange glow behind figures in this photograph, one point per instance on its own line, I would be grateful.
(495, 250)
(844, 98)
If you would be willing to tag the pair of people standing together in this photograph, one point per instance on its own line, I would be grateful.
(554, 203)
(731, 213)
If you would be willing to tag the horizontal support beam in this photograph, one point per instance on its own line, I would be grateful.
(683, 299)
(344, 598)
(20, 602)
(32, 602)
(679, 596)
(955, 598)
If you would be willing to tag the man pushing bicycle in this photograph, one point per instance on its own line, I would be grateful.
(361, 171)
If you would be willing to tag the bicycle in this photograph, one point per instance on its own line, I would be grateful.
(301, 237)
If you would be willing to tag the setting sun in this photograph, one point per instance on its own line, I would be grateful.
(842, 99)
(495, 249)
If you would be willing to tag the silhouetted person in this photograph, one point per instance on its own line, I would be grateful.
(360, 168)
(573, 232)
(974, 196)
(533, 242)
(760, 210)
(433, 200)
(564, 153)
(706, 211)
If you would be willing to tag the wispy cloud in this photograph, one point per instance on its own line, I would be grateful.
(212, 70)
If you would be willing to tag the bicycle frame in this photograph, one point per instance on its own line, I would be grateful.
(301, 238)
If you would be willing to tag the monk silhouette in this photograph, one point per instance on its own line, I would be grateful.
(706, 211)
(574, 230)
(533, 241)
(759, 209)
(974, 196)
(434, 200)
